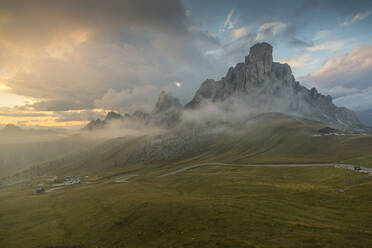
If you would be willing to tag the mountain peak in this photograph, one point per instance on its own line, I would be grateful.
(12, 128)
(261, 53)
(113, 116)
(165, 102)
(271, 87)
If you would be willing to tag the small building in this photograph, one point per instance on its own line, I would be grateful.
(328, 130)
(69, 180)
(40, 190)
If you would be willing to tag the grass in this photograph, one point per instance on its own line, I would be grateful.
(212, 206)
(267, 138)
(215, 206)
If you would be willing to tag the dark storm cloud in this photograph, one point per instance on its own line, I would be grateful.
(77, 51)
(167, 15)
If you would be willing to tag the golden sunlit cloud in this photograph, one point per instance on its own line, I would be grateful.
(64, 44)
(47, 121)
(49, 118)
(3, 87)
(11, 100)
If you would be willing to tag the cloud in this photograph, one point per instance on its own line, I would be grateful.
(340, 91)
(330, 46)
(269, 29)
(235, 51)
(347, 77)
(67, 54)
(23, 114)
(129, 100)
(325, 34)
(358, 17)
(230, 21)
(340, 6)
(359, 101)
(301, 61)
(240, 32)
(290, 35)
(350, 70)
(84, 115)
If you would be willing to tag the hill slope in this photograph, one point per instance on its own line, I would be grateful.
(264, 138)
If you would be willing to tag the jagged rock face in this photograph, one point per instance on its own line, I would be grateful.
(263, 85)
(271, 87)
(261, 54)
(167, 111)
(99, 124)
(113, 116)
(140, 115)
(94, 124)
(166, 102)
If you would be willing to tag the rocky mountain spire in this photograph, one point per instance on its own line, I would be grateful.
(260, 84)
(261, 54)
(269, 86)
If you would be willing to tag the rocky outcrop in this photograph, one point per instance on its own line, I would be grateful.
(166, 102)
(113, 116)
(167, 111)
(94, 124)
(261, 54)
(271, 87)
(260, 84)
(99, 124)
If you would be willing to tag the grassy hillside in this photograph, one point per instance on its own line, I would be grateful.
(17, 157)
(266, 138)
(215, 206)
(212, 206)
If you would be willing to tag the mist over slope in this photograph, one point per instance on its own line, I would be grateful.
(258, 112)
(12, 134)
(263, 138)
(268, 86)
(16, 157)
(257, 85)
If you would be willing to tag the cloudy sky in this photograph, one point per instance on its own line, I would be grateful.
(63, 63)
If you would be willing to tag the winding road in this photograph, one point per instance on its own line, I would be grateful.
(345, 166)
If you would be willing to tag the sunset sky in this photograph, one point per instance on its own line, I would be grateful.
(63, 63)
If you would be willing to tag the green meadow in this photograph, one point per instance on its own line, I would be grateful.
(123, 201)
(212, 206)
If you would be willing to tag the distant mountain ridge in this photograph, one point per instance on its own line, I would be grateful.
(13, 134)
(261, 84)
(98, 123)
(167, 111)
